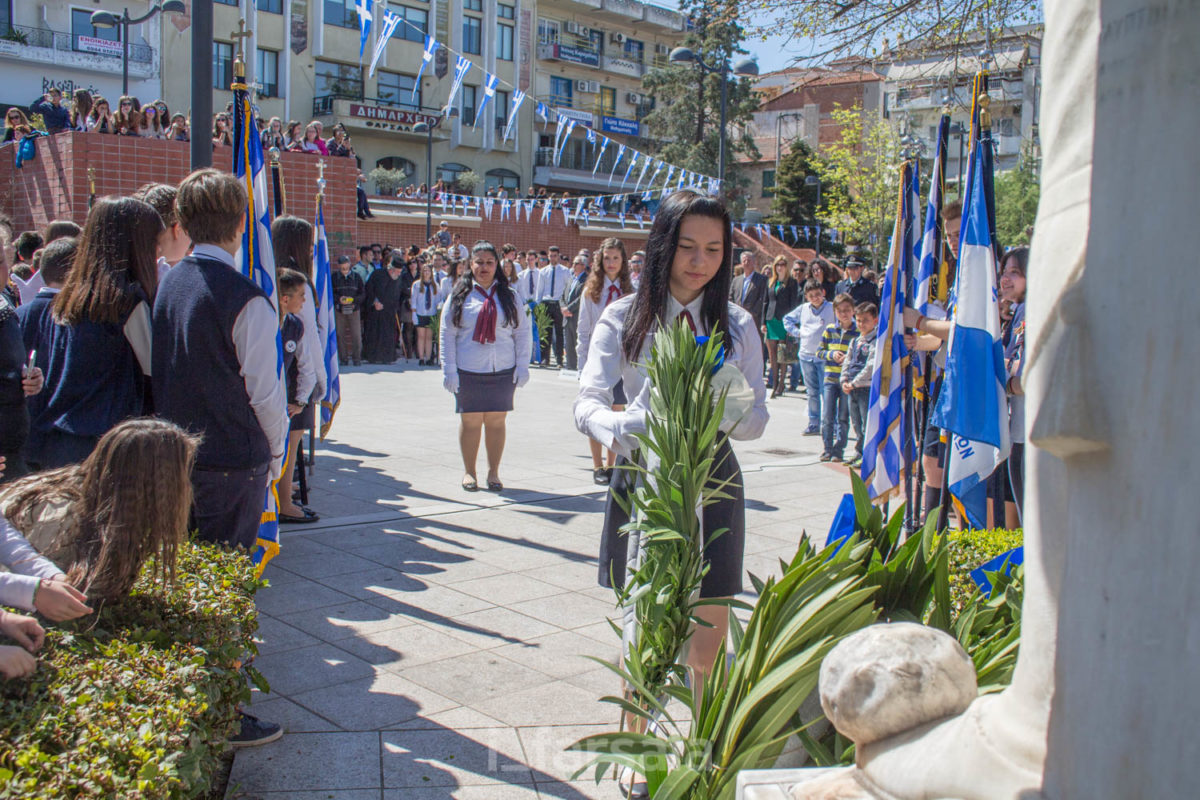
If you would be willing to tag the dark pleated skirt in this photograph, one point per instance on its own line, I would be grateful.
(724, 553)
(305, 419)
(482, 392)
(619, 394)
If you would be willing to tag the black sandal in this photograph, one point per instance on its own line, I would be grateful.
(495, 486)
(470, 484)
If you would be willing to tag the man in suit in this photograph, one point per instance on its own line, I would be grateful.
(570, 309)
(749, 290)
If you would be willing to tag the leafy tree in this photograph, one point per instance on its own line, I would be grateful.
(1017, 193)
(860, 178)
(850, 28)
(686, 120)
(795, 201)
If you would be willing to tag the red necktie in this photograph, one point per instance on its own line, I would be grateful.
(686, 316)
(485, 323)
(614, 293)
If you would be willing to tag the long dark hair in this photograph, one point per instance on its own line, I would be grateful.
(651, 299)
(596, 275)
(292, 241)
(466, 282)
(115, 263)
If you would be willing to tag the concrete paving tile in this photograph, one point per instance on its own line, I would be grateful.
(455, 719)
(373, 703)
(546, 748)
(471, 569)
(372, 582)
(309, 668)
(583, 789)
(560, 655)
(345, 620)
(474, 677)
(427, 759)
(293, 718)
(401, 648)
(301, 595)
(322, 565)
(492, 792)
(275, 636)
(600, 631)
(567, 610)
(430, 603)
(571, 575)
(320, 794)
(494, 627)
(572, 705)
(310, 761)
(599, 682)
(507, 590)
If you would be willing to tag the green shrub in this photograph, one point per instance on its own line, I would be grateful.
(137, 700)
(969, 549)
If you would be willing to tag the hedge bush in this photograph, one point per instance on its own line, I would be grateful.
(968, 550)
(138, 699)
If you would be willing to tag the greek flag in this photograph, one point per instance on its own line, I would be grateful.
(658, 165)
(461, 67)
(928, 279)
(363, 9)
(620, 155)
(517, 99)
(667, 183)
(972, 407)
(629, 170)
(390, 20)
(642, 175)
(431, 46)
(600, 155)
(888, 450)
(489, 91)
(326, 319)
(257, 261)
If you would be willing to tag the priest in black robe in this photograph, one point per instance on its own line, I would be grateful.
(385, 292)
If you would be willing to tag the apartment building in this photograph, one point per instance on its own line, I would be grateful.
(591, 56)
(53, 44)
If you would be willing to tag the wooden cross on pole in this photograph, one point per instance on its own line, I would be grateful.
(320, 177)
(238, 36)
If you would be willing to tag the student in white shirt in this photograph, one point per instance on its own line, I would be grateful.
(807, 322)
(687, 276)
(552, 285)
(426, 297)
(485, 345)
(607, 281)
(529, 278)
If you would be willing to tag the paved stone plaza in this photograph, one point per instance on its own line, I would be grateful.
(425, 642)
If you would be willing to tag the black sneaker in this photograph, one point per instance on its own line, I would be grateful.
(600, 477)
(812, 431)
(836, 459)
(255, 732)
(825, 457)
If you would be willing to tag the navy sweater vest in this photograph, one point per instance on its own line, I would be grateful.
(197, 375)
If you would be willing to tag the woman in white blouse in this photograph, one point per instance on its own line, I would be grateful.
(608, 281)
(485, 345)
(426, 297)
(686, 276)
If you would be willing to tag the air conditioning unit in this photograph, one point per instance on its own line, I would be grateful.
(617, 38)
(587, 87)
(633, 98)
(585, 32)
(572, 27)
(594, 87)
(661, 49)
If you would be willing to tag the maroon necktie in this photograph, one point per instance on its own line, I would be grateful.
(614, 293)
(485, 323)
(686, 316)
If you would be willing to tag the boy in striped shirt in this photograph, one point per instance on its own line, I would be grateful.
(835, 405)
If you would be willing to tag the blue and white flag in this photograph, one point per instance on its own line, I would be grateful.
(547, 210)
(620, 154)
(543, 111)
(641, 175)
(795, 234)
(326, 319)
(888, 432)
(667, 183)
(390, 21)
(929, 265)
(973, 407)
(600, 155)
(489, 91)
(431, 46)
(515, 105)
(780, 232)
(363, 9)
(505, 208)
(461, 67)
(629, 169)
(256, 259)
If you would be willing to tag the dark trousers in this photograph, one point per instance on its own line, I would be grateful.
(571, 327)
(57, 448)
(227, 504)
(364, 210)
(835, 419)
(349, 335)
(556, 334)
(860, 401)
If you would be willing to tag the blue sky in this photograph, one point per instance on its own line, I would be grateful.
(776, 52)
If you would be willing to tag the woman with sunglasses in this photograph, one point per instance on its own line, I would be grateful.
(101, 118)
(222, 131)
(16, 125)
(154, 124)
(81, 106)
(128, 120)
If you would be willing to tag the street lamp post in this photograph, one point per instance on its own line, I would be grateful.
(106, 19)
(748, 67)
(778, 126)
(812, 180)
(427, 129)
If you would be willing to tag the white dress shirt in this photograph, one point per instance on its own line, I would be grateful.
(419, 307)
(459, 350)
(315, 337)
(307, 361)
(589, 315)
(607, 364)
(26, 567)
(555, 279)
(254, 334)
(529, 279)
(808, 325)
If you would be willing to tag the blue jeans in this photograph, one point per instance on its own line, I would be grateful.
(834, 428)
(860, 400)
(794, 377)
(813, 370)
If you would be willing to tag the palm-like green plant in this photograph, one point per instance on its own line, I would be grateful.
(989, 629)
(542, 318)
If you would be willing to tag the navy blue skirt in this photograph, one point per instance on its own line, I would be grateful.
(484, 392)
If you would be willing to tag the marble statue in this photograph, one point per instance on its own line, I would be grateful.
(1104, 699)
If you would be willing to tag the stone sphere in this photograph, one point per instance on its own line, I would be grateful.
(887, 679)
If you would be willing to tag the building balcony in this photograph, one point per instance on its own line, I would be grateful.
(590, 3)
(622, 66)
(664, 18)
(629, 9)
(46, 46)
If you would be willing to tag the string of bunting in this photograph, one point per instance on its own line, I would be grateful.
(565, 125)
